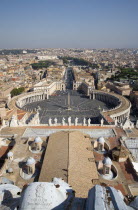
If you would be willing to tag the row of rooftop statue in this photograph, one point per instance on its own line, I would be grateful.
(54, 122)
(86, 122)
(34, 119)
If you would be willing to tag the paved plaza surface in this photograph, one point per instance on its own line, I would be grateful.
(57, 107)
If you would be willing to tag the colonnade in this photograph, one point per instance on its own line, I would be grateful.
(122, 117)
(40, 96)
(105, 97)
(121, 110)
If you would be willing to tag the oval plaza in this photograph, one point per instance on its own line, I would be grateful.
(62, 104)
(71, 101)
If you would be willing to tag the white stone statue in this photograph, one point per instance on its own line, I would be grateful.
(76, 121)
(84, 121)
(89, 122)
(69, 121)
(13, 121)
(55, 121)
(37, 118)
(63, 121)
(116, 122)
(9, 97)
(102, 122)
(50, 121)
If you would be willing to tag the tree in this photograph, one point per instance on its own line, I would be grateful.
(17, 91)
(42, 64)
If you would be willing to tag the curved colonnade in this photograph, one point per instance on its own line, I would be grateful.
(122, 106)
(31, 97)
(119, 113)
(38, 94)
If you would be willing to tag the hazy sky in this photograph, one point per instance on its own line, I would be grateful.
(68, 23)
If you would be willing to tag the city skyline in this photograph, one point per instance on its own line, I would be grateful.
(68, 24)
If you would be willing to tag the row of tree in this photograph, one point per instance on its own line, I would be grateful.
(42, 64)
(17, 91)
(126, 73)
(78, 61)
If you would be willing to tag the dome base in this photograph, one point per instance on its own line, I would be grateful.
(109, 176)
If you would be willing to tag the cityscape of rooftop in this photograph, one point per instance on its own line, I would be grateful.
(68, 105)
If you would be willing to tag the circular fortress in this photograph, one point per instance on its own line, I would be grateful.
(110, 107)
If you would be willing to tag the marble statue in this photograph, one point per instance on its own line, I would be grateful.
(116, 122)
(69, 121)
(84, 121)
(50, 121)
(55, 121)
(9, 97)
(76, 121)
(89, 122)
(102, 122)
(63, 121)
(37, 118)
(13, 121)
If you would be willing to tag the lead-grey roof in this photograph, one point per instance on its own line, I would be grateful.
(105, 198)
(134, 203)
(45, 195)
(132, 145)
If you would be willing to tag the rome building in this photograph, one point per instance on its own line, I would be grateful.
(67, 129)
(73, 97)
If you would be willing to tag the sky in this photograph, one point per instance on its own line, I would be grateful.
(68, 24)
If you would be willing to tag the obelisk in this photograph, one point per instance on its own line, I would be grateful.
(69, 108)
